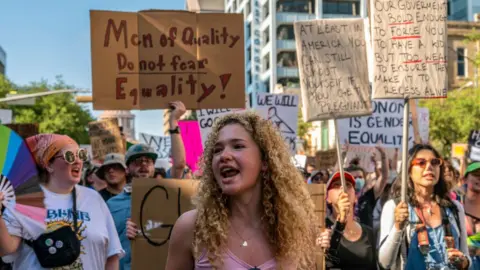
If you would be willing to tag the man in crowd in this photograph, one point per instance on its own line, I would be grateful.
(140, 161)
(113, 171)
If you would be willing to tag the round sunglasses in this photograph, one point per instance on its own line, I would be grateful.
(421, 162)
(70, 157)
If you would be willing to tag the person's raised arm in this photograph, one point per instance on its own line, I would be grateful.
(178, 149)
(8, 243)
(383, 179)
(180, 253)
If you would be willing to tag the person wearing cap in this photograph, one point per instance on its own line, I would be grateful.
(318, 177)
(472, 211)
(351, 244)
(113, 171)
(140, 161)
(91, 180)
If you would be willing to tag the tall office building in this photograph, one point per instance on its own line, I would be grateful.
(3, 61)
(270, 58)
(269, 37)
(463, 10)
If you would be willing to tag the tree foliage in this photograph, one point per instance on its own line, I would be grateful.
(303, 129)
(54, 113)
(452, 119)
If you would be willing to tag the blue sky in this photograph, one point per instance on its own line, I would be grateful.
(43, 39)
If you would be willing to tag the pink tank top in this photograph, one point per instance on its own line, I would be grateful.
(232, 262)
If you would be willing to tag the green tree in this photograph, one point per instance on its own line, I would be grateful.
(54, 113)
(452, 119)
(303, 128)
(192, 116)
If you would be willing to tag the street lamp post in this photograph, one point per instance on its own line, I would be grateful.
(41, 94)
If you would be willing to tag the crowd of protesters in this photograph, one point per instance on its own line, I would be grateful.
(253, 210)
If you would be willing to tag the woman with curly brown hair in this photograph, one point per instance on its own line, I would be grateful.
(253, 210)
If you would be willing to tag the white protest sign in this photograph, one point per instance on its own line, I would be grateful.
(161, 144)
(282, 111)
(207, 117)
(410, 48)
(383, 127)
(5, 116)
(333, 68)
(424, 124)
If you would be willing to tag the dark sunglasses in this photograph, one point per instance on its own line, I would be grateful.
(70, 157)
(421, 162)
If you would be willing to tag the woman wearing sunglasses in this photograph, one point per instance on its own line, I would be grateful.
(60, 163)
(428, 230)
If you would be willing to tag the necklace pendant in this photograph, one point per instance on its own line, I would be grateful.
(244, 244)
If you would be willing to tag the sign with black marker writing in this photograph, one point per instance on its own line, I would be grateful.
(410, 48)
(333, 68)
(282, 111)
(383, 127)
(145, 60)
(161, 144)
(105, 138)
(207, 117)
(474, 145)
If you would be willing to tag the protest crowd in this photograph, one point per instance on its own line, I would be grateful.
(229, 189)
(253, 197)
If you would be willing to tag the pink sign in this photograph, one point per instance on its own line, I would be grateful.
(192, 140)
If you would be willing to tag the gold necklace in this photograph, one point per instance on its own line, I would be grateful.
(244, 243)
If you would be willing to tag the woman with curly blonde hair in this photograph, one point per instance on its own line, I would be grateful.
(253, 210)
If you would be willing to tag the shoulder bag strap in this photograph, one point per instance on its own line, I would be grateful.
(74, 197)
(422, 234)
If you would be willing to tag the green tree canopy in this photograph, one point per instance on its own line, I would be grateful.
(452, 119)
(54, 113)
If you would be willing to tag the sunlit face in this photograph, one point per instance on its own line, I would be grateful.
(473, 181)
(142, 167)
(115, 174)
(423, 172)
(236, 160)
(336, 188)
(62, 170)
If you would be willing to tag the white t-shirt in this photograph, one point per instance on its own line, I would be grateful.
(99, 238)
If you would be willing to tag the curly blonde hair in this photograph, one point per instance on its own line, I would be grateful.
(288, 209)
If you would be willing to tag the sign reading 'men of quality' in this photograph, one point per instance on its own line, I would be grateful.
(145, 60)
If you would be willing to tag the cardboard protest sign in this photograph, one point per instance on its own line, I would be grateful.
(5, 116)
(424, 124)
(410, 49)
(24, 130)
(282, 111)
(192, 142)
(175, 198)
(363, 154)
(326, 159)
(333, 68)
(474, 145)
(458, 150)
(145, 60)
(317, 193)
(150, 248)
(161, 144)
(105, 138)
(383, 127)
